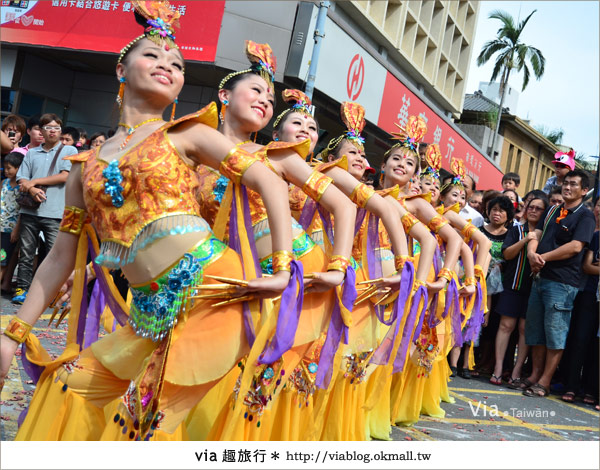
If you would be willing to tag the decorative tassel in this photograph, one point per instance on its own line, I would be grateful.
(122, 81)
(173, 110)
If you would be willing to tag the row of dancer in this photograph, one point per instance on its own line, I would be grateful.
(271, 298)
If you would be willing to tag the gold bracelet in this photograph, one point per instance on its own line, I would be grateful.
(235, 164)
(282, 260)
(74, 218)
(436, 223)
(361, 195)
(316, 184)
(467, 231)
(446, 273)
(338, 263)
(408, 222)
(400, 261)
(18, 329)
(470, 281)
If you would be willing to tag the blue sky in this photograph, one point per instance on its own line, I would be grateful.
(567, 96)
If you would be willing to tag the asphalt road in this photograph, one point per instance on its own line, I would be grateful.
(481, 411)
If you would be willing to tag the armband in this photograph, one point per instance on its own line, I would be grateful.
(467, 231)
(470, 281)
(361, 195)
(445, 273)
(400, 261)
(418, 283)
(282, 260)
(235, 164)
(74, 218)
(316, 184)
(338, 263)
(17, 329)
(408, 222)
(436, 223)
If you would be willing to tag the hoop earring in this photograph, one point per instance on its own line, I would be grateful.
(173, 109)
(223, 111)
(122, 81)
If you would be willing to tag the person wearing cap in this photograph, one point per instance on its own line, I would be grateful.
(563, 163)
(369, 174)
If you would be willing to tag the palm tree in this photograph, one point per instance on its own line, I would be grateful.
(512, 54)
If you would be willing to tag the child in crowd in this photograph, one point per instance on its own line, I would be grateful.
(511, 181)
(9, 213)
(556, 198)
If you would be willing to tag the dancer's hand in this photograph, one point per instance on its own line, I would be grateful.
(466, 291)
(7, 352)
(323, 281)
(392, 282)
(436, 286)
(266, 287)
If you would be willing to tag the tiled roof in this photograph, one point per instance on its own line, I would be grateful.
(478, 103)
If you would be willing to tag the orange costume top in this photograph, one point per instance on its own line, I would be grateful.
(149, 193)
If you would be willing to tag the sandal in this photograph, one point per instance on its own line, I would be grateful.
(589, 399)
(515, 384)
(525, 384)
(495, 380)
(569, 397)
(536, 390)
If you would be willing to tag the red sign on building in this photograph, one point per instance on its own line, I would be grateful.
(399, 102)
(107, 26)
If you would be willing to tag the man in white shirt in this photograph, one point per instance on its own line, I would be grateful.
(467, 212)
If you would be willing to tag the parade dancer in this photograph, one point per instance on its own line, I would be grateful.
(138, 192)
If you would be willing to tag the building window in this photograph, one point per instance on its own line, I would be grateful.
(8, 100)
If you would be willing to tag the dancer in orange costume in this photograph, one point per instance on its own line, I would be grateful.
(295, 367)
(138, 192)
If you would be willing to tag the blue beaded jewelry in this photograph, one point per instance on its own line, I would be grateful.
(112, 186)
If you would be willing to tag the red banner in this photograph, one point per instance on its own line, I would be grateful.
(399, 102)
(107, 26)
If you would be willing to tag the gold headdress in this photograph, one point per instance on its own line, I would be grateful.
(458, 170)
(353, 116)
(433, 157)
(263, 63)
(160, 22)
(301, 104)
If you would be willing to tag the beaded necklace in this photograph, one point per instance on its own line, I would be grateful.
(132, 129)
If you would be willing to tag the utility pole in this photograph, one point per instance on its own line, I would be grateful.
(318, 37)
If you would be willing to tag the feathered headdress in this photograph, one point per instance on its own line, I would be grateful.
(411, 135)
(299, 101)
(159, 21)
(353, 116)
(433, 157)
(263, 63)
(459, 174)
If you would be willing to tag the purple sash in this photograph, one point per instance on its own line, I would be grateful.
(288, 316)
(383, 352)
(421, 293)
(336, 330)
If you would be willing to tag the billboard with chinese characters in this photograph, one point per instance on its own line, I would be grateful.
(106, 26)
(399, 102)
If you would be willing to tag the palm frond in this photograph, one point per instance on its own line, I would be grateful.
(524, 22)
(525, 76)
(489, 49)
(538, 61)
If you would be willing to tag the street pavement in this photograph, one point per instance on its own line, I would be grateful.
(481, 411)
